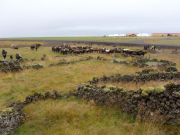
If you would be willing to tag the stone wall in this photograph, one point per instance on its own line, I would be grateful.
(70, 62)
(162, 100)
(12, 116)
(14, 66)
(10, 66)
(162, 76)
(142, 62)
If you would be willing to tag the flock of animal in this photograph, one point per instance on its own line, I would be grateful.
(18, 56)
(64, 49)
(4, 54)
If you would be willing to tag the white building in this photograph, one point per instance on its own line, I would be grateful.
(113, 35)
(143, 35)
(122, 35)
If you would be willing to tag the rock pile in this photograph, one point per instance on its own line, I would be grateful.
(124, 62)
(162, 100)
(121, 62)
(80, 60)
(100, 58)
(165, 64)
(12, 116)
(14, 66)
(161, 63)
(37, 66)
(26, 60)
(171, 69)
(10, 66)
(146, 71)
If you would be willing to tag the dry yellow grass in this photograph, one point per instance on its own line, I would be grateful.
(70, 115)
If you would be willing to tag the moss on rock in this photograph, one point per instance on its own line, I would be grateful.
(136, 96)
(170, 84)
(148, 90)
(10, 109)
(160, 89)
(178, 93)
(37, 93)
(111, 86)
(120, 88)
(144, 94)
(87, 85)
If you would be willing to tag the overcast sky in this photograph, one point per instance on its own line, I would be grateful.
(39, 18)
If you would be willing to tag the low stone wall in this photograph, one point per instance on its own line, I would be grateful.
(171, 69)
(142, 62)
(14, 66)
(10, 66)
(12, 116)
(146, 71)
(64, 63)
(162, 101)
(162, 76)
(101, 58)
(26, 60)
(32, 66)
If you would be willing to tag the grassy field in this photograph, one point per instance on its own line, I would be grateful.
(19, 43)
(149, 40)
(70, 115)
(113, 39)
(173, 41)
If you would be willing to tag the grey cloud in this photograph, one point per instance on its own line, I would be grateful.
(22, 18)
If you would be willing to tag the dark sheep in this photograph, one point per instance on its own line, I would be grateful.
(4, 54)
(11, 57)
(18, 56)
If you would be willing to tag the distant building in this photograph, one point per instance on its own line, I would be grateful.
(113, 35)
(132, 34)
(122, 35)
(143, 35)
(165, 34)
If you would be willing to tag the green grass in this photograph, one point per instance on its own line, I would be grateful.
(19, 43)
(114, 39)
(76, 117)
(70, 115)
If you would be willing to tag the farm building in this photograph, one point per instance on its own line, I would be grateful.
(132, 34)
(143, 35)
(165, 34)
(113, 35)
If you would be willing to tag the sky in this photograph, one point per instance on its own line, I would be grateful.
(57, 18)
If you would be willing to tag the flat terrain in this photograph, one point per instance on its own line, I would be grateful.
(70, 115)
(163, 42)
(19, 43)
(114, 39)
(173, 41)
